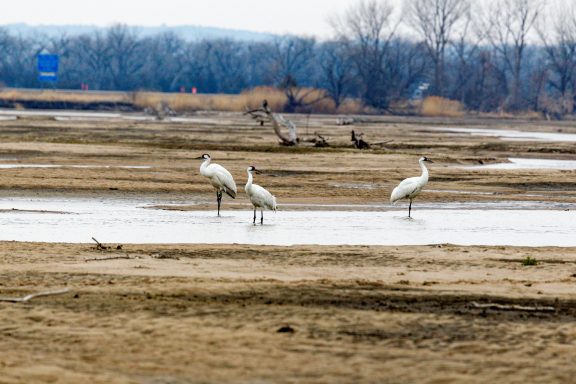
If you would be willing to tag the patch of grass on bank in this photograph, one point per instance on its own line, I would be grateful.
(529, 261)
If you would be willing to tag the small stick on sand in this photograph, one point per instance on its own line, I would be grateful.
(33, 295)
(109, 258)
(512, 307)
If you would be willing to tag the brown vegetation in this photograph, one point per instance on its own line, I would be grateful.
(314, 100)
(435, 106)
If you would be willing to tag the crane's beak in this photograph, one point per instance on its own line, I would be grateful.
(428, 160)
(199, 158)
(257, 171)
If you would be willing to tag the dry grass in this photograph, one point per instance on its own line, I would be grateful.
(351, 106)
(525, 115)
(253, 98)
(181, 102)
(433, 106)
(315, 99)
(64, 96)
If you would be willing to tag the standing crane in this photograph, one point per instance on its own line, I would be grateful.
(259, 196)
(410, 188)
(219, 177)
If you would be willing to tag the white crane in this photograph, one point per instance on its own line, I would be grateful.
(259, 196)
(219, 177)
(411, 187)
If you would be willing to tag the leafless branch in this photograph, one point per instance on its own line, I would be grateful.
(278, 121)
(33, 295)
(109, 258)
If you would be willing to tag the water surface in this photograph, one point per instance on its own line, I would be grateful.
(125, 221)
(517, 163)
(510, 134)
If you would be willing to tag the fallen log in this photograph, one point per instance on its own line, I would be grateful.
(264, 113)
(33, 295)
(513, 307)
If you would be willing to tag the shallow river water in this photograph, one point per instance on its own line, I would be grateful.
(516, 163)
(511, 134)
(124, 221)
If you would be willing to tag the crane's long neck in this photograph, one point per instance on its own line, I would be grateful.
(424, 177)
(249, 182)
(204, 165)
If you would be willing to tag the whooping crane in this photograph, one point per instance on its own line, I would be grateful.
(219, 177)
(411, 187)
(259, 196)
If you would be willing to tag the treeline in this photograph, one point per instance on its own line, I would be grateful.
(494, 56)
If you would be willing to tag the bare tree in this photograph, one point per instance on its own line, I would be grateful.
(228, 57)
(291, 61)
(559, 39)
(464, 57)
(407, 65)
(436, 21)
(337, 71)
(91, 57)
(367, 29)
(507, 25)
(21, 61)
(126, 56)
(6, 43)
(165, 65)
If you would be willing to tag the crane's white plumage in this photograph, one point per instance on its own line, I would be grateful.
(409, 188)
(259, 196)
(219, 177)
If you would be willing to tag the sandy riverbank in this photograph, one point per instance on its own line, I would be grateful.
(212, 313)
(208, 313)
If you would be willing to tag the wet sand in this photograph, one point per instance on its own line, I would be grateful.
(253, 314)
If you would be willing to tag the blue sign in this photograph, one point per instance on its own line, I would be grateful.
(47, 67)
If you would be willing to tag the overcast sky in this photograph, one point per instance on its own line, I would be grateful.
(307, 17)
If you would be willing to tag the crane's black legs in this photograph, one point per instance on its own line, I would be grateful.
(261, 217)
(409, 207)
(219, 200)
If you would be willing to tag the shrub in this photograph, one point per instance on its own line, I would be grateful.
(529, 260)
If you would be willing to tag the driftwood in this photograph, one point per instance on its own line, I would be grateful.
(381, 143)
(265, 114)
(359, 143)
(102, 247)
(33, 295)
(108, 258)
(513, 307)
(320, 141)
(259, 115)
